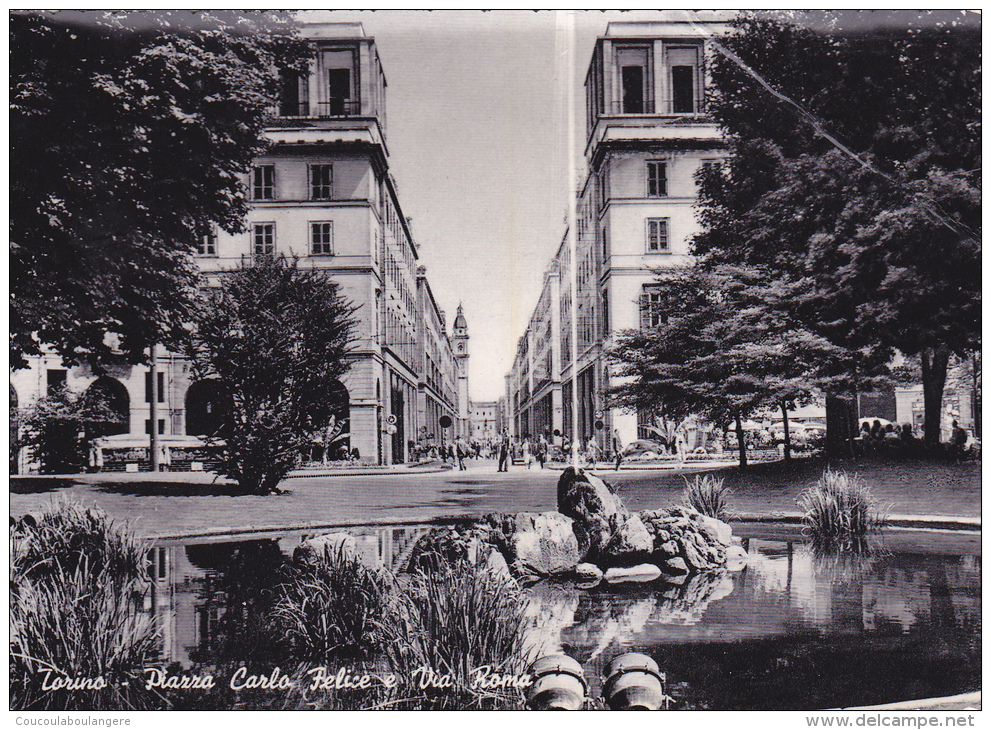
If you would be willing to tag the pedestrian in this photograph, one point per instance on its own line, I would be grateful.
(617, 447)
(542, 451)
(460, 450)
(680, 446)
(958, 438)
(592, 452)
(527, 456)
(504, 452)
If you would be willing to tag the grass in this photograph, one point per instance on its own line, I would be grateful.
(708, 495)
(454, 623)
(333, 610)
(75, 576)
(840, 508)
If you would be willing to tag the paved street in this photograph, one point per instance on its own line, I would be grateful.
(178, 504)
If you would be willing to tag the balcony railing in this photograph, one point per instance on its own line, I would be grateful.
(321, 109)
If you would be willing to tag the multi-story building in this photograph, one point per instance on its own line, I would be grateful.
(483, 420)
(646, 137)
(323, 193)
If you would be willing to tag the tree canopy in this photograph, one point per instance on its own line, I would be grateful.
(129, 136)
(277, 338)
(853, 182)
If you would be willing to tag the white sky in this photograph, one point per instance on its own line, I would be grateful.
(476, 129)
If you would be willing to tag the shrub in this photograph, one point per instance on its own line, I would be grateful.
(708, 495)
(73, 613)
(332, 610)
(456, 622)
(840, 507)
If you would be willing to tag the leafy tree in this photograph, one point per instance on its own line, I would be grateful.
(277, 337)
(129, 136)
(717, 353)
(853, 182)
(59, 427)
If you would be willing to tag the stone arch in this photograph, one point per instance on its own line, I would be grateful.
(114, 395)
(207, 408)
(335, 441)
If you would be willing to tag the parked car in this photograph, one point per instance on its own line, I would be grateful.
(644, 449)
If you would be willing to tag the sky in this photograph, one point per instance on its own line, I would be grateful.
(477, 131)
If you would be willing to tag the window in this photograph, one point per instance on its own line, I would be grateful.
(657, 235)
(322, 239)
(206, 244)
(684, 65)
(263, 182)
(161, 387)
(161, 426)
(657, 179)
(634, 65)
(651, 312)
(321, 182)
(263, 243)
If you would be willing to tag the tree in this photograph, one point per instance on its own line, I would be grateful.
(129, 135)
(717, 353)
(277, 338)
(58, 428)
(853, 181)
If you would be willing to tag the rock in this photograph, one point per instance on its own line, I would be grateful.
(629, 545)
(333, 547)
(442, 548)
(544, 544)
(496, 564)
(700, 540)
(586, 573)
(676, 580)
(594, 507)
(675, 566)
(736, 558)
(717, 530)
(636, 574)
(695, 558)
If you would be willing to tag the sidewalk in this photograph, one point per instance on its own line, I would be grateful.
(197, 503)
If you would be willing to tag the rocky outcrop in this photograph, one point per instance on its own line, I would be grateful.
(594, 507)
(331, 548)
(630, 544)
(681, 532)
(542, 544)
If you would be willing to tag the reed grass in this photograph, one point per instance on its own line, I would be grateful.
(707, 495)
(840, 507)
(455, 623)
(332, 610)
(75, 578)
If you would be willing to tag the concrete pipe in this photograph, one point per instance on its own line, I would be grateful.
(634, 682)
(558, 684)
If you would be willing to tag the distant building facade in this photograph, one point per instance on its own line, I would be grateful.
(323, 193)
(483, 421)
(646, 137)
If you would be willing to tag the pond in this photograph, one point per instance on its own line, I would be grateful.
(791, 631)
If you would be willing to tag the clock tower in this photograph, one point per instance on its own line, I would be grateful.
(460, 346)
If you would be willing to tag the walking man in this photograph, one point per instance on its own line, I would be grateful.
(504, 452)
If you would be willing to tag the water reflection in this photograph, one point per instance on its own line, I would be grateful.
(211, 600)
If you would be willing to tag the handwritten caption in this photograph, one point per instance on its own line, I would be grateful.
(316, 679)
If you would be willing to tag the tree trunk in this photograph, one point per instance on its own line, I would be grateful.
(742, 442)
(840, 428)
(934, 363)
(784, 412)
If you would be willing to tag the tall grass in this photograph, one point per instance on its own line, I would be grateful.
(708, 495)
(333, 610)
(74, 579)
(840, 508)
(456, 622)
